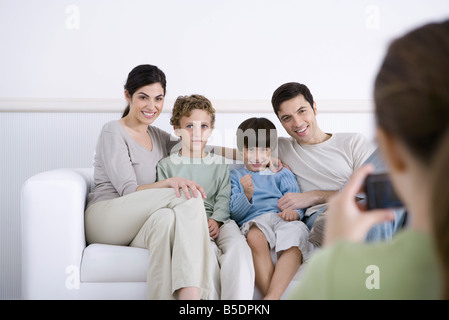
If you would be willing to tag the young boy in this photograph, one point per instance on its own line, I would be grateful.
(254, 206)
(193, 119)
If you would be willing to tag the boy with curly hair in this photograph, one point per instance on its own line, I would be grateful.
(193, 119)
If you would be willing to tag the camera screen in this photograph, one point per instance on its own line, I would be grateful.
(380, 192)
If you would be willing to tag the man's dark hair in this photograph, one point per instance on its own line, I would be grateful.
(289, 91)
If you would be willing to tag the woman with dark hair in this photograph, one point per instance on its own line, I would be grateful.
(128, 207)
(411, 95)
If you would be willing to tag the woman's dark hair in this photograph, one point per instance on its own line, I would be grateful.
(289, 91)
(411, 95)
(141, 76)
(256, 132)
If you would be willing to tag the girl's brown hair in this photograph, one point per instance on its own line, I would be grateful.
(411, 94)
(411, 90)
(440, 202)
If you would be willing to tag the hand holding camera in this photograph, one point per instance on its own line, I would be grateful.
(348, 219)
(380, 193)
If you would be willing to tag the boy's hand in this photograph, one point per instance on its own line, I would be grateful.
(289, 215)
(247, 183)
(214, 228)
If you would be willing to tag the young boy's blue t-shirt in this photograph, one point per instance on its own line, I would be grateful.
(269, 187)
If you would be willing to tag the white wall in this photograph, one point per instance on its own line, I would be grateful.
(61, 55)
(238, 49)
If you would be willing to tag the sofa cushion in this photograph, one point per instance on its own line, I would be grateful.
(110, 263)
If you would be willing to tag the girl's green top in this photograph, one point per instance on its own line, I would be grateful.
(405, 268)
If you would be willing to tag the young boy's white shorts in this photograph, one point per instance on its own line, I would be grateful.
(281, 235)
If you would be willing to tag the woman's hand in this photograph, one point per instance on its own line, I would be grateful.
(178, 183)
(347, 219)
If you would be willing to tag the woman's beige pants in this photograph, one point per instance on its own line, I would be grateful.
(174, 230)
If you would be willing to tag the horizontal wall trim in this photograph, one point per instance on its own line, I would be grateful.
(83, 105)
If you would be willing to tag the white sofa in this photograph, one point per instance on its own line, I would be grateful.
(56, 263)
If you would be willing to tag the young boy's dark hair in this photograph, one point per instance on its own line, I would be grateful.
(256, 132)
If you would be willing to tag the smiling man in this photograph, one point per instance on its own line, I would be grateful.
(322, 162)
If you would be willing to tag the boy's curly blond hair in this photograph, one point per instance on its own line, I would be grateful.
(185, 104)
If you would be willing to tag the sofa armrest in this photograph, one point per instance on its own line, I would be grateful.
(53, 239)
